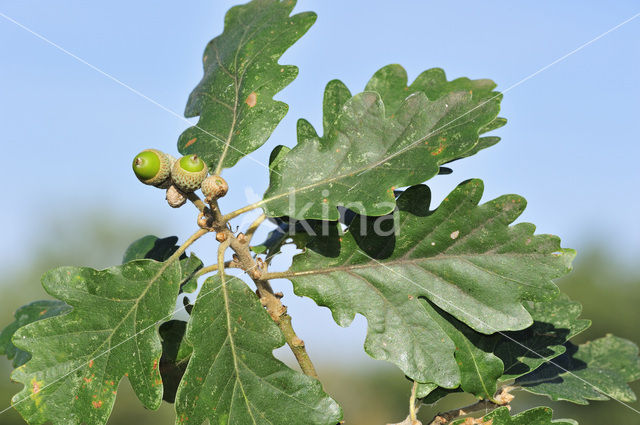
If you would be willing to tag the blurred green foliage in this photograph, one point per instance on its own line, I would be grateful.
(609, 292)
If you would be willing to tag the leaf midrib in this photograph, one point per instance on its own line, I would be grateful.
(136, 302)
(363, 169)
(92, 355)
(232, 345)
(399, 261)
(477, 369)
(237, 80)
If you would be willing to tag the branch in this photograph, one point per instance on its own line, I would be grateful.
(271, 301)
(296, 345)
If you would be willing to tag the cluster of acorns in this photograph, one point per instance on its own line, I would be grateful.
(179, 176)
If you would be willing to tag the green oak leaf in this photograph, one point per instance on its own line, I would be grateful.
(79, 358)
(390, 82)
(175, 356)
(484, 360)
(365, 153)
(479, 368)
(160, 249)
(234, 99)
(234, 378)
(291, 230)
(555, 322)
(423, 389)
(430, 393)
(535, 416)
(151, 247)
(463, 257)
(26, 314)
(596, 370)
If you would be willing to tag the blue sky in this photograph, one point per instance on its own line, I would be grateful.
(571, 147)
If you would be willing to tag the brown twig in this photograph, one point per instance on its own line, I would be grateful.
(278, 312)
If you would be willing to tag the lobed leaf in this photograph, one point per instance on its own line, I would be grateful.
(26, 314)
(484, 360)
(596, 370)
(555, 323)
(151, 247)
(478, 367)
(369, 148)
(234, 99)
(233, 378)
(291, 230)
(535, 416)
(79, 358)
(391, 83)
(463, 258)
(160, 249)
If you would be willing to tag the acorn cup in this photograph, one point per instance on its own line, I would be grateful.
(188, 173)
(214, 187)
(175, 197)
(153, 167)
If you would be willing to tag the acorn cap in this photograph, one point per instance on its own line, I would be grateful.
(175, 197)
(188, 173)
(152, 167)
(214, 187)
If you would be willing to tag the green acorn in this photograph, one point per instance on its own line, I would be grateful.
(214, 187)
(188, 173)
(152, 167)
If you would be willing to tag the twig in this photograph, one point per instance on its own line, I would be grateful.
(278, 275)
(195, 199)
(251, 230)
(197, 235)
(276, 310)
(176, 255)
(271, 301)
(413, 409)
(242, 210)
(297, 346)
(213, 268)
